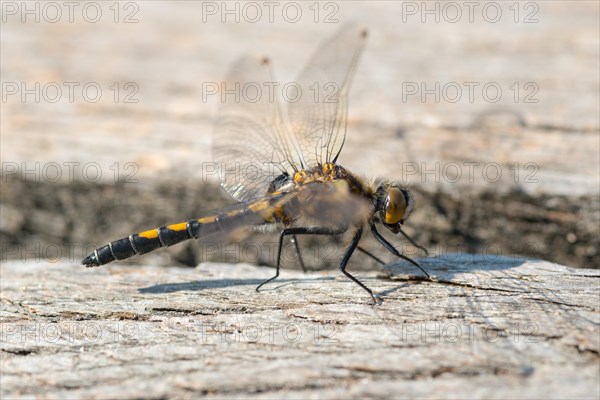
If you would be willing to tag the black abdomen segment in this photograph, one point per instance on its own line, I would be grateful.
(165, 236)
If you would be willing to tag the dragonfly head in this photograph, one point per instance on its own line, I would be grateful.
(394, 205)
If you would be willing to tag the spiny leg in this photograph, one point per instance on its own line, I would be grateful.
(298, 231)
(295, 241)
(393, 250)
(414, 243)
(370, 255)
(353, 245)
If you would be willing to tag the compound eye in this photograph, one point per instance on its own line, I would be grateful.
(395, 206)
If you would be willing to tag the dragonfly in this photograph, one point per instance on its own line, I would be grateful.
(282, 168)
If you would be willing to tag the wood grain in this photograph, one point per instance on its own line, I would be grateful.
(483, 328)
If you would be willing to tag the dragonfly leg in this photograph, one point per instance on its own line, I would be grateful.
(393, 250)
(370, 255)
(353, 245)
(298, 231)
(295, 241)
(423, 249)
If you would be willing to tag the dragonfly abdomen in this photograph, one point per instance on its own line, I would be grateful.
(165, 236)
(141, 243)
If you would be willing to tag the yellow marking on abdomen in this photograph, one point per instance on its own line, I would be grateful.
(258, 206)
(207, 220)
(178, 227)
(151, 234)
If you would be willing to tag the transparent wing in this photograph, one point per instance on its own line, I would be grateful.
(250, 143)
(318, 118)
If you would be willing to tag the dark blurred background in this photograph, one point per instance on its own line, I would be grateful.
(488, 111)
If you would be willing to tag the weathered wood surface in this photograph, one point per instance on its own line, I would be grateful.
(484, 328)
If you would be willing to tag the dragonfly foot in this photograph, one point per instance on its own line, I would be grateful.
(265, 282)
(377, 300)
